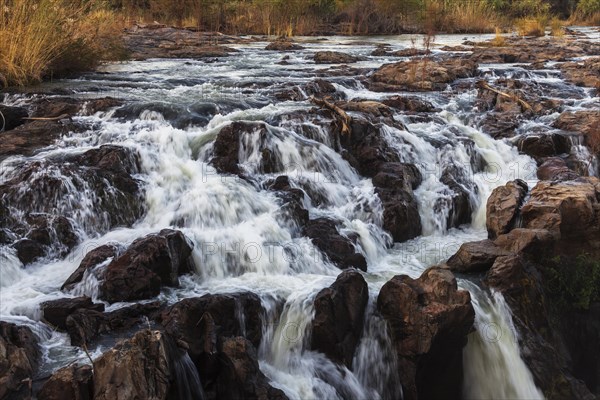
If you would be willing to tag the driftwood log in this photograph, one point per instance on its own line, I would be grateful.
(342, 117)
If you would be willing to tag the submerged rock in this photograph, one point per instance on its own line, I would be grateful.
(339, 316)
(11, 117)
(429, 320)
(339, 249)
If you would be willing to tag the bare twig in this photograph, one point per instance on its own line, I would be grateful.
(84, 347)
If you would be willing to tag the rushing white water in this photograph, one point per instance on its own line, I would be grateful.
(241, 241)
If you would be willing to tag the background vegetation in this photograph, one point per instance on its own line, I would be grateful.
(39, 38)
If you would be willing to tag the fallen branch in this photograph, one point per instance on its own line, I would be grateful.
(513, 97)
(62, 116)
(343, 118)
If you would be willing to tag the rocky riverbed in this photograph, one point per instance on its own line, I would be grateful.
(352, 218)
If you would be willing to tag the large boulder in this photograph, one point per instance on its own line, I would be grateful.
(149, 263)
(148, 366)
(200, 320)
(540, 146)
(555, 169)
(56, 312)
(231, 140)
(429, 320)
(503, 207)
(570, 209)
(69, 383)
(85, 325)
(476, 256)
(19, 359)
(339, 316)
(421, 75)
(140, 271)
(339, 249)
(240, 376)
(222, 333)
(56, 187)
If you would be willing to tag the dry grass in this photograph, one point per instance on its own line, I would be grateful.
(461, 17)
(530, 26)
(557, 27)
(43, 37)
(499, 40)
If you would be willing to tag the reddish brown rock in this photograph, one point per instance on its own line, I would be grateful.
(56, 311)
(421, 75)
(555, 169)
(476, 256)
(503, 207)
(429, 320)
(69, 383)
(334, 57)
(19, 360)
(339, 315)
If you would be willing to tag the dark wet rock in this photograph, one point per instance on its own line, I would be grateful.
(382, 50)
(334, 57)
(92, 259)
(411, 52)
(539, 146)
(199, 321)
(503, 207)
(460, 184)
(85, 325)
(476, 256)
(69, 383)
(44, 235)
(292, 207)
(240, 376)
(27, 139)
(429, 320)
(19, 360)
(11, 117)
(52, 107)
(29, 250)
(339, 315)
(283, 45)
(56, 312)
(338, 248)
(421, 75)
(148, 264)
(322, 88)
(555, 169)
(501, 124)
(148, 366)
(104, 175)
(410, 104)
(226, 149)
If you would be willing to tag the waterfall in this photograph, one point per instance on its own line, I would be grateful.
(492, 360)
(243, 242)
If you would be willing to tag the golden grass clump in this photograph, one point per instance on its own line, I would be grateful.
(530, 26)
(44, 37)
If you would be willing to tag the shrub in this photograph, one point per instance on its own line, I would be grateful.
(530, 26)
(574, 282)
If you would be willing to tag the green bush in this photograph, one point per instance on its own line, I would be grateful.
(574, 283)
